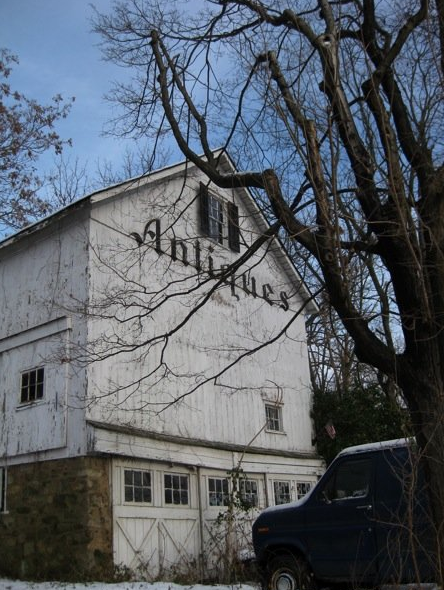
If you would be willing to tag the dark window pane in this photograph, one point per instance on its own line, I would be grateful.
(146, 479)
(32, 385)
(168, 481)
(146, 495)
(351, 480)
(128, 477)
(168, 496)
(137, 478)
(129, 494)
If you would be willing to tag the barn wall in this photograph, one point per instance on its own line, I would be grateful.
(62, 285)
(44, 284)
(178, 376)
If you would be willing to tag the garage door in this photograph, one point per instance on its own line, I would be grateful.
(156, 526)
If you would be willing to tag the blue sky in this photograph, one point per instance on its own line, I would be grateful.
(58, 53)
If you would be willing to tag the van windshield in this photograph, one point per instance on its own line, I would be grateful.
(350, 480)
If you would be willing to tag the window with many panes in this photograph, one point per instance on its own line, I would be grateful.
(273, 416)
(219, 220)
(282, 494)
(215, 219)
(218, 494)
(31, 387)
(137, 484)
(176, 489)
(302, 488)
(248, 490)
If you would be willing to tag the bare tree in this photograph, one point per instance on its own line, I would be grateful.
(67, 181)
(135, 162)
(333, 111)
(27, 130)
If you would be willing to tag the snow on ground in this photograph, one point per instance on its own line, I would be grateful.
(18, 585)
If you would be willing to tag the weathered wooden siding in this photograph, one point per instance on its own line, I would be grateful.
(135, 385)
(44, 282)
(122, 382)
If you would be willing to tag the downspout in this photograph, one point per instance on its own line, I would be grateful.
(201, 523)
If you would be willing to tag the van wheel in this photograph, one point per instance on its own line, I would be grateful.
(287, 572)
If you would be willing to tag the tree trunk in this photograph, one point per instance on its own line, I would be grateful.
(426, 406)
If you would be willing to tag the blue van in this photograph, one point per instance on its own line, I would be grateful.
(365, 522)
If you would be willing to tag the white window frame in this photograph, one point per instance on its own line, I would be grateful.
(247, 495)
(219, 219)
(216, 219)
(274, 423)
(176, 492)
(135, 485)
(278, 492)
(36, 388)
(299, 485)
(218, 497)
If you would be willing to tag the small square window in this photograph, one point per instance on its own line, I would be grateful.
(176, 489)
(282, 492)
(303, 487)
(273, 416)
(248, 491)
(218, 494)
(31, 388)
(137, 486)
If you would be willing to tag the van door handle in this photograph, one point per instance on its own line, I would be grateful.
(366, 507)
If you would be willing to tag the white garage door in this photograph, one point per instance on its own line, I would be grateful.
(156, 526)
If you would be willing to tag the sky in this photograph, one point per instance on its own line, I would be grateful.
(59, 54)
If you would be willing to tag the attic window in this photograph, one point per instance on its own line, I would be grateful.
(215, 219)
(219, 220)
(31, 388)
(273, 416)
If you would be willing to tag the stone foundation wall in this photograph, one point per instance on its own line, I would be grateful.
(58, 521)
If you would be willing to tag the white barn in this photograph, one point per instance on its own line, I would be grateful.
(140, 390)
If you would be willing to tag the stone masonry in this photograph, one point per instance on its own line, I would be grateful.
(58, 521)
